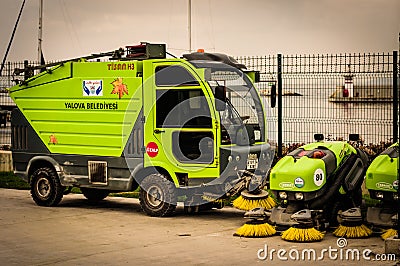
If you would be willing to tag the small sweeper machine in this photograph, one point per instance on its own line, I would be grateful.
(318, 185)
(382, 183)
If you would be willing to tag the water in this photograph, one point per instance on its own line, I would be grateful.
(303, 116)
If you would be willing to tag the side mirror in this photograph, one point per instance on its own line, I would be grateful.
(220, 98)
(253, 75)
(354, 137)
(319, 137)
(273, 95)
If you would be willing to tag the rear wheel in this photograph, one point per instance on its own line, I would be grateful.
(94, 195)
(157, 196)
(46, 189)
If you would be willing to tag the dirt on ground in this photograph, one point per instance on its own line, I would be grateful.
(117, 232)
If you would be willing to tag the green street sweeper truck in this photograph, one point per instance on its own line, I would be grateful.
(189, 129)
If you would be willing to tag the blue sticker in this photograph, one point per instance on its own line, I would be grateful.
(92, 88)
(299, 182)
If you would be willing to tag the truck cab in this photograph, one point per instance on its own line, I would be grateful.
(190, 128)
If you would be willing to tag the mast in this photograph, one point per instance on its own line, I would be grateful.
(190, 24)
(40, 31)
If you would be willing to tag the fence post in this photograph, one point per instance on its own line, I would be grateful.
(395, 99)
(26, 65)
(396, 128)
(280, 142)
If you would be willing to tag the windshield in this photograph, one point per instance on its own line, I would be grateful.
(243, 105)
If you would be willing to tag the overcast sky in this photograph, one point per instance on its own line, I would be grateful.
(73, 28)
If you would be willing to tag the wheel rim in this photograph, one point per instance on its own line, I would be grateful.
(43, 187)
(154, 196)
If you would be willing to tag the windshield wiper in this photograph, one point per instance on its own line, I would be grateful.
(228, 101)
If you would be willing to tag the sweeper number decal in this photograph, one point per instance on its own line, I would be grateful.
(318, 177)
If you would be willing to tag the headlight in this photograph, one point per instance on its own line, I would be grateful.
(379, 195)
(230, 158)
(282, 195)
(299, 196)
(265, 156)
(238, 158)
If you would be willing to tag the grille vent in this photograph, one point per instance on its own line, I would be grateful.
(97, 172)
(19, 137)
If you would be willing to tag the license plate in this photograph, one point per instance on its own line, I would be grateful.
(252, 161)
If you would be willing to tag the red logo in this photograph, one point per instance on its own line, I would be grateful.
(152, 149)
(119, 87)
(53, 139)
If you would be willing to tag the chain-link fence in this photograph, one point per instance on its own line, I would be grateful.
(6, 104)
(331, 94)
(7, 80)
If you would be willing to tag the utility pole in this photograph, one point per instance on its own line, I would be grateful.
(40, 31)
(190, 24)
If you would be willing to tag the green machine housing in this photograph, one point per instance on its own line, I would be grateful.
(198, 121)
(322, 176)
(381, 177)
(381, 180)
(309, 170)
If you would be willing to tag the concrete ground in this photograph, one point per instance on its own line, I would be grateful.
(117, 232)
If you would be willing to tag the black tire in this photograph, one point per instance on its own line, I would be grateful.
(157, 196)
(46, 189)
(332, 211)
(94, 195)
(357, 198)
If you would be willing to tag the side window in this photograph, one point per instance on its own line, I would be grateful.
(173, 76)
(193, 147)
(181, 108)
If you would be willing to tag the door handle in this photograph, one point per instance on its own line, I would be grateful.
(157, 131)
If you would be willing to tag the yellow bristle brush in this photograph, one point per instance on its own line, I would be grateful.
(247, 201)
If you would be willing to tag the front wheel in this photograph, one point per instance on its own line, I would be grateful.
(157, 196)
(46, 189)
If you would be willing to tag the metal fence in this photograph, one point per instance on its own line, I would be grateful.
(330, 94)
(6, 104)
